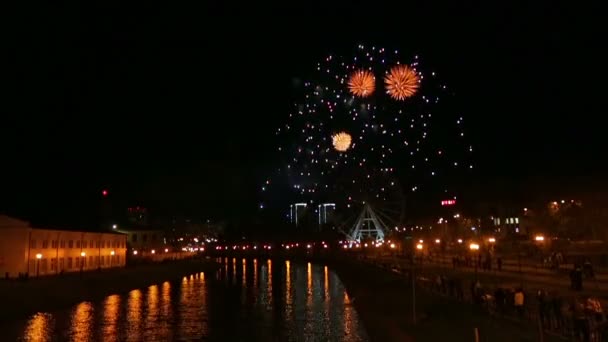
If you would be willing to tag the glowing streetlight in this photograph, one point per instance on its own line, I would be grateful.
(491, 240)
(82, 259)
(114, 226)
(459, 240)
(38, 257)
(539, 238)
(308, 246)
(135, 252)
(393, 246)
(112, 253)
(153, 252)
(167, 250)
(421, 241)
(437, 241)
(474, 247)
(419, 246)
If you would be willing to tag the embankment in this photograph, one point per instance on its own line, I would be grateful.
(383, 300)
(22, 298)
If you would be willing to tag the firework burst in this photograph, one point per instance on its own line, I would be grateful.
(341, 141)
(362, 83)
(401, 82)
(401, 146)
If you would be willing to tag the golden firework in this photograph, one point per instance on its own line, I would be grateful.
(341, 141)
(401, 82)
(362, 83)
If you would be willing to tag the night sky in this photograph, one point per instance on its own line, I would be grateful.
(175, 107)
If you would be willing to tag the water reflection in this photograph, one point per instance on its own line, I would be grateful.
(134, 304)
(257, 301)
(111, 314)
(39, 328)
(82, 320)
(255, 273)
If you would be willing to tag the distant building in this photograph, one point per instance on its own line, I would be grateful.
(32, 251)
(144, 240)
(137, 215)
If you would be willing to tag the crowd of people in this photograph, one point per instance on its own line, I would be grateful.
(581, 317)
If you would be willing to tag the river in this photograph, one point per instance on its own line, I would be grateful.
(244, 300)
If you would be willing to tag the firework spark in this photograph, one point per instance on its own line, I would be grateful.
(401, 82)
(362, 83)
(341, 141)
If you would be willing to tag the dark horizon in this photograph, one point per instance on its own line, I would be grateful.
(180, 118)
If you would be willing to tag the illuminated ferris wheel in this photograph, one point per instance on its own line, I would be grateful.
(370, 204)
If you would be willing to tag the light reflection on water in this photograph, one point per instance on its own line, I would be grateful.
(257, 301)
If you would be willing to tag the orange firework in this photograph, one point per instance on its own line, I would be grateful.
(362, 83)
(341, 141)
(401, 82)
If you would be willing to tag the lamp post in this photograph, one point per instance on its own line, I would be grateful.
(474, 248)
(83, 256)
(419, 247)
(112, 253)
(38, 257)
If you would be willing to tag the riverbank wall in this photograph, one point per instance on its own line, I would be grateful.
(21, 298)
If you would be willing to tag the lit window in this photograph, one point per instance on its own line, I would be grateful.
(517, 220)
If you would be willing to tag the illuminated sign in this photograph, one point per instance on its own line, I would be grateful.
(448, 202)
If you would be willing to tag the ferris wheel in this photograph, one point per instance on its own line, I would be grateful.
(369, 204)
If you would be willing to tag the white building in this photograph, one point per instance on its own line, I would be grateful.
(36, 252)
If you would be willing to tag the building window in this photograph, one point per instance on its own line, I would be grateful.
(71, 244)
(53, 244)
(97, 260)
(33, 243)
(145, 238)
(45, 243)
(517, 220)
(62, 244)
(91, 261)
(77, 243)
(44, 265)
(84, 244)
(103, 243)
(108, 260)
(53, 264)
(92, 244)
(61, 264)
(134, 238)
(69, 262)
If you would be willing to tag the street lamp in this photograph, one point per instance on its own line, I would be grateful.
(135, 252)
(491, 240)
(83, 256)
(38, 257)
(474, 248)
(112, 253)
(419, 247)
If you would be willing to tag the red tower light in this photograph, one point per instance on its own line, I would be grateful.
(104, 192)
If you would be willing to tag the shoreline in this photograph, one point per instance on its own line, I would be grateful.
(24, 298)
